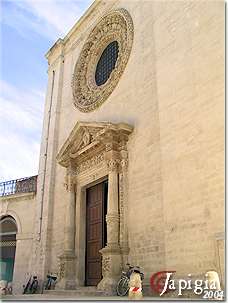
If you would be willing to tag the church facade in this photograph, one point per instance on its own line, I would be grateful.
(132, 152)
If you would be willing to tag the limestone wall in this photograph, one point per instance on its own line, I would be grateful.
(189, 42)
(172, 92)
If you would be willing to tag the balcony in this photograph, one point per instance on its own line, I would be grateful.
(23, 185)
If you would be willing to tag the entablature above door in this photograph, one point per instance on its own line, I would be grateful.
(90, 143)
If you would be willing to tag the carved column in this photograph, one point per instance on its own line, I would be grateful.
(111, 254)
(123, 190)
(112, 217)
(68, 258)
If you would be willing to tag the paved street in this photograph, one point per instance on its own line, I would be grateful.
(46, 297)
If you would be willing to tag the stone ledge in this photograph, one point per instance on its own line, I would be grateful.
(18, 196)
(79, 291)
(24, 236)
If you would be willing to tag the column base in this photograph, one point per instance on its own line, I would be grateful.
(111, 268)
(67, 272)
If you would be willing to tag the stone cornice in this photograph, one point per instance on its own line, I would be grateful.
(63, 41)
(24, 236)
(18, 197)
(88, 138)
(82, 19)
(56, 51)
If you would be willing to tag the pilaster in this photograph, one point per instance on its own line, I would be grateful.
(111, 254)
(68, 258)
(41, 257)
(123, 206)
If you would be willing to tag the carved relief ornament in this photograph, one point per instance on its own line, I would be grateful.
(106, 265)
(115, 26)
(113, 164)
(86, 148)
(70, 180)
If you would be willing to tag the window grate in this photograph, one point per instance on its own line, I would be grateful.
(106, 63)
(7, 243)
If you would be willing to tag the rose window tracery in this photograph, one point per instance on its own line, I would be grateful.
(102, 60)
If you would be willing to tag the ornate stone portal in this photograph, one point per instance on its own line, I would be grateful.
(94, 151)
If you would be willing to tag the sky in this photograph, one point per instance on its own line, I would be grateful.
(28, 28)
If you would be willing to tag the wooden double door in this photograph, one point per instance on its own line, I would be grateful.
(96, 231)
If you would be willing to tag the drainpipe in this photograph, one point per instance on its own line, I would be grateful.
(45, 159)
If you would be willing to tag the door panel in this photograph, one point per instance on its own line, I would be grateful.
(95, 200)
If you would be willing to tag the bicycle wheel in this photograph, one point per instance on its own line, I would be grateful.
(26, 288)
(48, 285)
(34, 287)
(122, 287)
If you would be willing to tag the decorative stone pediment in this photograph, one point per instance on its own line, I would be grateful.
(89, 139)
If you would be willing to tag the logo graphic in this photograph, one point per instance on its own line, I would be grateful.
(159, 280)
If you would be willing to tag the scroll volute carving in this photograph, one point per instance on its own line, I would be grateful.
(84, 140)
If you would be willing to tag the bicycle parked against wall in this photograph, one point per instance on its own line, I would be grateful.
(50, 282)
(31, 286)
(123, 283)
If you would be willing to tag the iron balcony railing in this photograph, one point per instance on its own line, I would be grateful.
(23, 185)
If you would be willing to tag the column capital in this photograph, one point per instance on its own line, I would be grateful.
(70, 180)
(113, 164)
(124, 164)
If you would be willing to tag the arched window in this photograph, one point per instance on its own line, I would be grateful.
(8, 231)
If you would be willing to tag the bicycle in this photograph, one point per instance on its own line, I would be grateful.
(51, 281)
(123, 284)
(31, 286)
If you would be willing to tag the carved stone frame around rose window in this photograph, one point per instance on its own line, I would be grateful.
(117, 26)
(92, 153)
